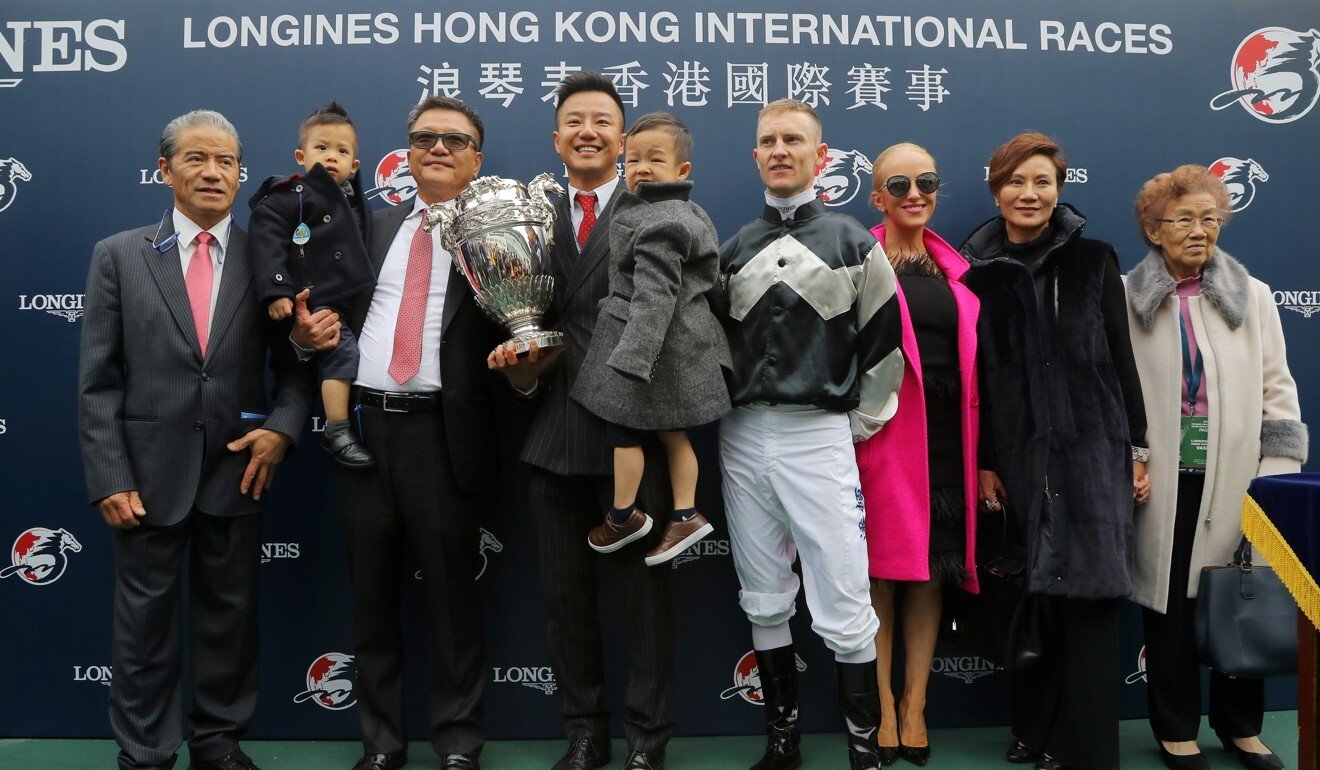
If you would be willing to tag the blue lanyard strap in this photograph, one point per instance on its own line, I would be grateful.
(1191, 372)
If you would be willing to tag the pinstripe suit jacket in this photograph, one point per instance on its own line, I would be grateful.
(565, 438)
(153, 414)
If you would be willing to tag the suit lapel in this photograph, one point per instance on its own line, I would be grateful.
(596, 247)
(168, 275)
(234, 280)
(566, 247)
(455, 292)
(382, 237)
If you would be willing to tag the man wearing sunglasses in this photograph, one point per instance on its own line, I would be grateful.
(422, 401)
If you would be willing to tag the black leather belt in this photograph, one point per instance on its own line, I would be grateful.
(398, 402)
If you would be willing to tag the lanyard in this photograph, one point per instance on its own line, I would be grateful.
(1191, 372)
(164, 246)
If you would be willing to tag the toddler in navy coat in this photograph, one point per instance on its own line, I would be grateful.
(309, 231)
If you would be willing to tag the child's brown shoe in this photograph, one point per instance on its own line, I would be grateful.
(679, 536)
(610, 537)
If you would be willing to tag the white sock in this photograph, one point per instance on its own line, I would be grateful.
(864, 655)
(772, 637)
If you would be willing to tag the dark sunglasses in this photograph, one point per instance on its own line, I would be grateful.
(898, 186)
(453, 141)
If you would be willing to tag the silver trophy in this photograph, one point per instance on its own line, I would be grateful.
(500, 233)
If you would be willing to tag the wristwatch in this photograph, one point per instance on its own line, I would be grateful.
(1141, 454)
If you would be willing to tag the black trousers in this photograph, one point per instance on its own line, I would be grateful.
(410, 503)
(145, 712)
(1066, 704)
(1173, 669)
(564, 509)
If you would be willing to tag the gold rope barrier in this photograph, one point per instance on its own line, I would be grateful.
(1266, 539)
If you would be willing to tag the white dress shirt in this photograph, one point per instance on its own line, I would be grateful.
(187, 243)
(603, 195)
(788, 206)
(376, 343)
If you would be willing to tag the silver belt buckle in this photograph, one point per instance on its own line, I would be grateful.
(385, 403)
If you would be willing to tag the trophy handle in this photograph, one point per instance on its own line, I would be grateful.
(436, 214)
(439, 215)
(538, 191)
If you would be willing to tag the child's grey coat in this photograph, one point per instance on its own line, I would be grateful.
(657, 357)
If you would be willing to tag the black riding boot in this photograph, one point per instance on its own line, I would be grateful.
(779, 690)
(859, 699)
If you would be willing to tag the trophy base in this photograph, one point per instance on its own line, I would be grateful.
(543, 339)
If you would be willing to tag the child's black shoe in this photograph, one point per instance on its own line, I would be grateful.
(342, 443)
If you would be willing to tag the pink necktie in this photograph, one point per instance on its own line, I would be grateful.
(406, 358)
(588, 203)
(198, 282)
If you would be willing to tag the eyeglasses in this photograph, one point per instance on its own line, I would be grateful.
(927, 183)
(454, 141)
(1209, 222)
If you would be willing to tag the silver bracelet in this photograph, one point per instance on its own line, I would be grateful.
(1141, 454)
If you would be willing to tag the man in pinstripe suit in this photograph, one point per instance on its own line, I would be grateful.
(178, 445)
(570, 485)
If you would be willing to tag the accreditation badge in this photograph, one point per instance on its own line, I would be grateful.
(1195, 442)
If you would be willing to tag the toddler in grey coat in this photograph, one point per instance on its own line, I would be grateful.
(657, 357)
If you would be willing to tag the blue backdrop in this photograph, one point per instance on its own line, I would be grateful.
(1128, 88)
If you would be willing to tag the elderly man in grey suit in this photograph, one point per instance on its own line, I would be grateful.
(178, 445)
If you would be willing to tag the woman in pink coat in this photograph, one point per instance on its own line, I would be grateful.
(919, 473)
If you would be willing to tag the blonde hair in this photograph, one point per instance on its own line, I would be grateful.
(791, 105)
(890, 152)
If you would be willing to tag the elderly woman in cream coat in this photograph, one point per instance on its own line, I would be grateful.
(1210, 350)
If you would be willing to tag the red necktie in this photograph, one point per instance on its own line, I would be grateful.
(198, 282)
(406, 358)
(588, 203)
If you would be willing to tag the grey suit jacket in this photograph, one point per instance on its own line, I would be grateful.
(658, 355)
(565, 438)
(153, 414)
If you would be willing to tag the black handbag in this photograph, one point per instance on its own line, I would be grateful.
(1246, 621)
(1004, 623)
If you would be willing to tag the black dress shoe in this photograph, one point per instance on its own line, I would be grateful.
(1249, 759)
(1045, 763)
(917, 755)
(645, 760)
(234, 760)
(1019, 754)
(584, 755)
(382, 761)
(888, 755)
(460, 762)
(343, 443)
(1173, 761)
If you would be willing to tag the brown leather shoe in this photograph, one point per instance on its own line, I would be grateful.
(679, 536)
(610, 537)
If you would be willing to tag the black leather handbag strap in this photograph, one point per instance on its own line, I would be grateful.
(1242, 556)
(1242, 560)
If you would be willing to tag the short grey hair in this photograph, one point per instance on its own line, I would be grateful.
(169, 138)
